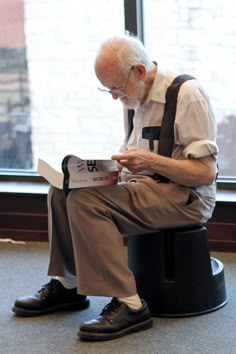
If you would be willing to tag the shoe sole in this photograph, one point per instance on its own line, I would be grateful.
(93, 336)
(19, 311)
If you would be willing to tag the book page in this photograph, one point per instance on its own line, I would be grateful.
(52, 173)
(85, 173)
(94, 156)
(81, 165)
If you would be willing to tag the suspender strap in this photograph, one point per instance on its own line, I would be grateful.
(167, 127)
(130, 121)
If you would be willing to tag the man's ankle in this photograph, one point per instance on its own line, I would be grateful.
(67, 282)
(134, 302)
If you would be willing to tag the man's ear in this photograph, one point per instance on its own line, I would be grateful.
(141, 72)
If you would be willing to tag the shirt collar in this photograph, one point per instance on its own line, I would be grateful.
(158, 90)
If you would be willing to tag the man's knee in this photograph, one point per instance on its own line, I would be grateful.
(83, 198)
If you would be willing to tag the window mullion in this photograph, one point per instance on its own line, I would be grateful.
(133, 12)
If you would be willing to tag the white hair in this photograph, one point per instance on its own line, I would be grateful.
(129, 51)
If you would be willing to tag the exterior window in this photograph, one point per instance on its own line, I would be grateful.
(49, 98)
(199, 38)
(15, 126)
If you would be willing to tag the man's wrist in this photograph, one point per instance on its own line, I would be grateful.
(152, 163)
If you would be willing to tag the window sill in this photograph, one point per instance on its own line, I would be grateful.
(21, 187)
(225, 196)
(30, 187)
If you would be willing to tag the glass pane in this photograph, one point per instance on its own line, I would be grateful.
(15, 133)
(55, 101)
(199, 38)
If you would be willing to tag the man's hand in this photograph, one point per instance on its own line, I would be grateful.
(136, 160)
(189, 172)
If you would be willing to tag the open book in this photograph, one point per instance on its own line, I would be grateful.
(79, 172)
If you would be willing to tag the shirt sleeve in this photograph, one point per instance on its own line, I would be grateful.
(195, 126)
(201, 148)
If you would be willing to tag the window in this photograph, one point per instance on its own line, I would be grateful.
(15, 139)
(199, 38)
(49, 101)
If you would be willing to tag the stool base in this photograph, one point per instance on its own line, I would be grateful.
(175, 274)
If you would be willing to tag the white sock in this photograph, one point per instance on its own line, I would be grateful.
(68, 283)
(134, 302)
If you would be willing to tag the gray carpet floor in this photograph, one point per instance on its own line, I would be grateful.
(23, 270)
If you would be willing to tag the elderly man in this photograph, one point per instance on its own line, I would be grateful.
(86, 227)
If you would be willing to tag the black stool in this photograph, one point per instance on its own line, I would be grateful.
(175, 273)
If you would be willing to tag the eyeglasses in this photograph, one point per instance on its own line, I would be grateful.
(117, 90)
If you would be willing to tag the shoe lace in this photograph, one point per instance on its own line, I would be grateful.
(110, 308)
(48, 288)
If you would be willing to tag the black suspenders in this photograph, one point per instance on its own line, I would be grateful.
(166, 138)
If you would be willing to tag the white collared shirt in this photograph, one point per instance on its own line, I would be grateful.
(194, 127)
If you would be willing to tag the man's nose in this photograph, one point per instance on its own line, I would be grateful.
(115, 95)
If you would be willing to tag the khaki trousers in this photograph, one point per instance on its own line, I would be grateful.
(86, 229)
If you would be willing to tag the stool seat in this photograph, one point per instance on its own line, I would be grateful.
(175, 274)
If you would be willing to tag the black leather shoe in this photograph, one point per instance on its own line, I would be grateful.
(116, 320)
(52, 297)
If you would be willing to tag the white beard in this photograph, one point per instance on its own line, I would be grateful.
(132, 102)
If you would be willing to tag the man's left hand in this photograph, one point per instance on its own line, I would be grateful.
(135, 160)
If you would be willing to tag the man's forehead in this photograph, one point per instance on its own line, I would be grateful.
(110, 79)
(105, 61)
(108, 73)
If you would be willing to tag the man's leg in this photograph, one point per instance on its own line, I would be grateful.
(100, 258)
(98, 217)
(61, 292)
(61, 262)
